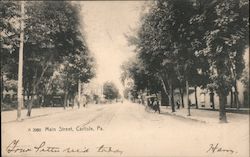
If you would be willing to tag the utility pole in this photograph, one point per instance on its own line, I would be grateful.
(20, 66)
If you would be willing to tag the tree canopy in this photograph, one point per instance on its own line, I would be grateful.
(110, 91)
(198, 42)
(54, 43)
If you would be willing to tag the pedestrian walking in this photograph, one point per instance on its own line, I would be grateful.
(178, 104)
(156, 106)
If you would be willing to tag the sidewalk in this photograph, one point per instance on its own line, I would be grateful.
(11, 116)
(204, 116)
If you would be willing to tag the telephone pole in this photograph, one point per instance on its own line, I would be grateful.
(20, 66)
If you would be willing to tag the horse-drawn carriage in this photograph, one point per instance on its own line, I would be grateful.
(153, 103)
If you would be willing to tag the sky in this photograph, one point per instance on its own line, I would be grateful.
(105, 24)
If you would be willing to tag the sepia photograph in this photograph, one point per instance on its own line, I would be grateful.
(124, 78)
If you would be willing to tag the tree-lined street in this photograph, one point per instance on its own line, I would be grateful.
(131, 129)
(183, 44)
(125, 78)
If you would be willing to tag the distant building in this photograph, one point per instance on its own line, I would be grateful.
(243, 93)
(204, 97)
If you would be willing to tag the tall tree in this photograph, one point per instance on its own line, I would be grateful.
(110, 91)
(162, 42)
(56, 25)
(181, 39)
(52, 36)
(225, 38)
(9, 39)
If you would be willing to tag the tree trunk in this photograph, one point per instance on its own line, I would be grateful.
(166, 91)
(34, 86)
(187, 90)
(43, 96)
(79, 94)
(172, 96)
(2, 89)
(30, 105)
(164, 86)
(39, 100)
(222, 109)
(231, 98)
(36, 82)
(235, 100)
(195, 94)
(236, 96)
(28, 95)
(65, 104)
(182, 97)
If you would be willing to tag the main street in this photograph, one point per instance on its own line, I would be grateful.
(121, 129)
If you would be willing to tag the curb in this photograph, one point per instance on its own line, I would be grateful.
(185, 117)
(32, 117)
(180, 116)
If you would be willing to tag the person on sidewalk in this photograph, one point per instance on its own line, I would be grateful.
(178, 104)
(211, 94)
(156, 106)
